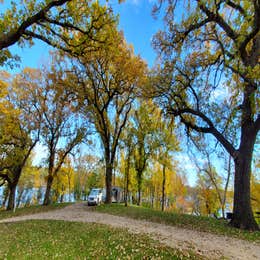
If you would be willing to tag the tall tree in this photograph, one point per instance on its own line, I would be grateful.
(210, 80)
(88, 175)
(20, 129)
(126, 154)
(62, 128)
(218, 182)
(107, 82)
(174, 187)
(146, 121)
(207, 195)
(167, 144)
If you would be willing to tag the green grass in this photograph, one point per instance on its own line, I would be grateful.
(204, 224)
(31, 210)
(42, 239)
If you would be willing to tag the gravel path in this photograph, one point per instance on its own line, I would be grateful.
(206, 244)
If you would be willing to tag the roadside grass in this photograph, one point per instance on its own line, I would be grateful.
(42, 239)
(31, 210)
(203, 224)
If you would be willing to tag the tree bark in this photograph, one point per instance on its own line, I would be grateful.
(108, 182)
(11, 198)
(139, 187)
(163, 187)
(243, 214)
(152, 198)
(127, 180)
(69, 177)
(12, 188)
(61, 198)
(243, 217)
(47, 200)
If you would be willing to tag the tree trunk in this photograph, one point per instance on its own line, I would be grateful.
(61, 198)
(108, 183)
(48, 190)
(242, 212)
(152, 196)
(11, 198)
(139, 196)
(126, 191)
(139, 187)
(163, 187)
(12, 187)
(69, 189)
(127, 180)
(243, 217)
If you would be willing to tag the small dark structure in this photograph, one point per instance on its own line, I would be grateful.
(230, 216)
(117, 194)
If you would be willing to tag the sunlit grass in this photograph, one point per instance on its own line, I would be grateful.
(31, 210)
(204, 224)
(42, 239)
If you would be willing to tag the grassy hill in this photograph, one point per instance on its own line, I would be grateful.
(45, 239)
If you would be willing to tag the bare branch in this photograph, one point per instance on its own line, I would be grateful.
(210, 129)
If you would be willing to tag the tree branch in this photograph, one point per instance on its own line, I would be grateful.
(192, 28)
(219, 20)
(46, 40)
(236, 6)
(10, 38)
(210, 129)
(5, 177)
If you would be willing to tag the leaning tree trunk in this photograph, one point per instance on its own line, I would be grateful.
(47, 199)
(242, 212)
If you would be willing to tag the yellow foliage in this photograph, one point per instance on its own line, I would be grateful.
(64, 181)
(255, 194)
(175, 189)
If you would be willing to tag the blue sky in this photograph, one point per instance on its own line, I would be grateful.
(135, 21)
(139, 26)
